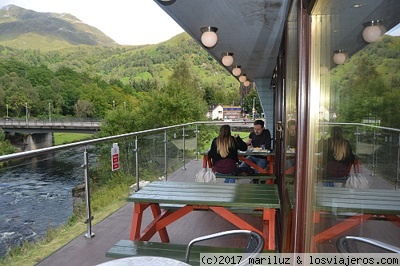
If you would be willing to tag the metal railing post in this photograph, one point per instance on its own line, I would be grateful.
(197, 142)
(165, 155)
(398, 164)
(89, 217)
(357, 139)
(184, 148)
(137, 163)
(373, 170)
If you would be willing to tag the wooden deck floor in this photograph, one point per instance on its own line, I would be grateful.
(88, 252)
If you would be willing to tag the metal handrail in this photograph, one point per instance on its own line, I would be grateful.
(29, 154)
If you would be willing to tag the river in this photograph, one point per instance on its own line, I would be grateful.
(36, 194)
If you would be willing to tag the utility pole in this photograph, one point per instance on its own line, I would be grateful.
(49, 112)
(7, 109)
(26, 113)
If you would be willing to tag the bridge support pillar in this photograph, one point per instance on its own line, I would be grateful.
(38, 141)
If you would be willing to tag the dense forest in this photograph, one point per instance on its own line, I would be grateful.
(88, 81)
(367, 87)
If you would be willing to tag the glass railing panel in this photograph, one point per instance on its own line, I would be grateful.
(36, 194)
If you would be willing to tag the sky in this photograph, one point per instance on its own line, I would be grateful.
(128, 22)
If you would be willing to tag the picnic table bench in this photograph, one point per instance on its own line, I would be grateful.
(182, 198)
(129, 248)
(251, 176)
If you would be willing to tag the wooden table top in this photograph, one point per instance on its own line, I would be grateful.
(209, 194)
(376, 201)
(373, 201)
(144, 261)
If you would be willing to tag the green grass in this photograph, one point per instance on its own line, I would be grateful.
(63, 138)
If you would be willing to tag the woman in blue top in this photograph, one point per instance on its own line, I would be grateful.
(223, 152)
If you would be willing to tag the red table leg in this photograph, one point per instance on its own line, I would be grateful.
(268, 224)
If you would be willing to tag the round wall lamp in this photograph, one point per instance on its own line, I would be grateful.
(209, 36)
(227, 59)
(166, 2)
(339, 56)
(373, 30)
(243, 78)
(236, 71)
(246, 83)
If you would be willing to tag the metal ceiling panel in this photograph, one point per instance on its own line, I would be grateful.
(251, 29)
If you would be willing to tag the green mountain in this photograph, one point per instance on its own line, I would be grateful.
(27, 29)
(82, 68)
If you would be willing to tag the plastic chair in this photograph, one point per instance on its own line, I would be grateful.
(254, 245)
(343, 244)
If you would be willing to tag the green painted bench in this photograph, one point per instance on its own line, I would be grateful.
(129, 248)
(252, 176)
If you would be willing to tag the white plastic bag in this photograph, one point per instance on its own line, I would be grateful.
(206, 175)
(358, 181)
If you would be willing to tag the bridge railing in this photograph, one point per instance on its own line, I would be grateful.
(46, 123)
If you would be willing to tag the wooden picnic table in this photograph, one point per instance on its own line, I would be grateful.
(222, 199)
(268, 154)
(361, 204)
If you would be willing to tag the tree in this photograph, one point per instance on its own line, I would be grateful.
(179, 102)
(83, 109)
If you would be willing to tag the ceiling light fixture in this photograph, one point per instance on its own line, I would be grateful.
(209, 36)
(227, 59)
(373, 30)
(246, 83)
(339, 56)
(166, 2)
(243, 78)
(236, 71)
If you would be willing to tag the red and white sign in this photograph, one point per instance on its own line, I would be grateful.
(115, 157)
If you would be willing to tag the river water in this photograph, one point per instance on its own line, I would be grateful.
(36, 194)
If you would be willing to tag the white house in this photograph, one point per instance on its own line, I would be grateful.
(217, 113)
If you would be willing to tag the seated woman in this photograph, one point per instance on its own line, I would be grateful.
(340, 156)
(223, 152)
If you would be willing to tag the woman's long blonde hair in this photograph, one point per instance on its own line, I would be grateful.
(224, 140)
(338, 144)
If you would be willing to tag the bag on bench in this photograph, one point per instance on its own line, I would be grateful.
(206, 175)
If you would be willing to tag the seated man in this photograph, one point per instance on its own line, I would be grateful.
(260, 137)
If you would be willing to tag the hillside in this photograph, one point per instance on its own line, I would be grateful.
(26, 29)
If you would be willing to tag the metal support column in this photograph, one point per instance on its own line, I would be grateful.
(197, 142)
(137, 163)
(165, 155)
(184, 147)
(89, 217)
(398, 164)
(374, 155)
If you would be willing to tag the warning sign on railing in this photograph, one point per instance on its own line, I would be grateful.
(115, 157)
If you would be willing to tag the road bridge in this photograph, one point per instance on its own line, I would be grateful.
(40, 126)
(35, 134)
